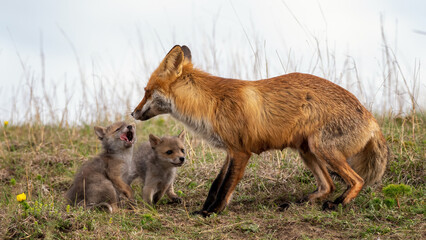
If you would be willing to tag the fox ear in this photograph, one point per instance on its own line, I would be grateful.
(186, 54)
(173, 62)
(181, 135)
(100, 132)
(154, 140)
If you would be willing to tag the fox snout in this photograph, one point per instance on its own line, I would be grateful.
(179, 161)
(139, 115)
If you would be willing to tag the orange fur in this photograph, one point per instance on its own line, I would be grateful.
(326, 123)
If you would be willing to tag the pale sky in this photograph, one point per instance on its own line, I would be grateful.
(119, 43)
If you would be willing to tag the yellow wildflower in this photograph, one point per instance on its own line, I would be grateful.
(21, 197)
(6, 123)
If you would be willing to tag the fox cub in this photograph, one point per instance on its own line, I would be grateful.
(99, 183)
(155, 163)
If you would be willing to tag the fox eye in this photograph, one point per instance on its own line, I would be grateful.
(182, 150)
(169, 152)
(118, 129)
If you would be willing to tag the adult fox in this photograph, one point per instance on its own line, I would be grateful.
(324, 122)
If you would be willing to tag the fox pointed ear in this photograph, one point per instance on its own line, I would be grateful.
(154, 140)
(100, 132)
(186, 54)
(181, 135)
(172, 64)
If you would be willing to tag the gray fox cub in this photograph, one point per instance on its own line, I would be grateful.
(155, 162)
(99, 181)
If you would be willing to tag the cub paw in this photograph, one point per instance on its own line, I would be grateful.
(177, 200)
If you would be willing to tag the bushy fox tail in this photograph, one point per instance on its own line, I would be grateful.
(370, 162)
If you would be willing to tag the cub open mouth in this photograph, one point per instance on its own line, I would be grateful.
(128, 137)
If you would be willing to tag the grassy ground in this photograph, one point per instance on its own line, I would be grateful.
(41, 160)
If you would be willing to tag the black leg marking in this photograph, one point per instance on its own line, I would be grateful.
(284, 206)
(176, 200)
(216, 185)
(213, 191)
(329, 205)
(224, 189)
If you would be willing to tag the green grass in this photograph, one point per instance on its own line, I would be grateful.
(41, 161)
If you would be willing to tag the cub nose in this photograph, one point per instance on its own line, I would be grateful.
(130, 127)
(182, 159)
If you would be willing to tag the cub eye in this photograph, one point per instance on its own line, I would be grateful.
(169, 152)
(182, 150)
(118, 129)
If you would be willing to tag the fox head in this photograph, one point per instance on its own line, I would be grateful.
(170, 151)
(117, 137)
(158, 95)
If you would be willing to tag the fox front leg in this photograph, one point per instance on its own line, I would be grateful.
(214, 189)
(172, 195)
(224, 185)
(148, 194)
(115, 177)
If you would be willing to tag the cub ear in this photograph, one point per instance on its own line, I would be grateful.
(181, 135)
(154, 140)
(100, 132)
(172, 64)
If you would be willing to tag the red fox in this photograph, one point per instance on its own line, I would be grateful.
(324, 122)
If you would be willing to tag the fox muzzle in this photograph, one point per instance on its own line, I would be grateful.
(139, 115)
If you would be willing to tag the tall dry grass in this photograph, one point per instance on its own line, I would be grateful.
(92, 96)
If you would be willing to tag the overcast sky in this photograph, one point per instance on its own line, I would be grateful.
(125, 40)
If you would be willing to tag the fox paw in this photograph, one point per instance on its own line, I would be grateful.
(128, 194)
(177, 200)
(303, 200)
(203, 213)
(284, 206)
(329, 206)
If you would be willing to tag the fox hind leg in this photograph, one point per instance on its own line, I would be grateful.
(325, 184)
(337, 161)
(102, 195)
